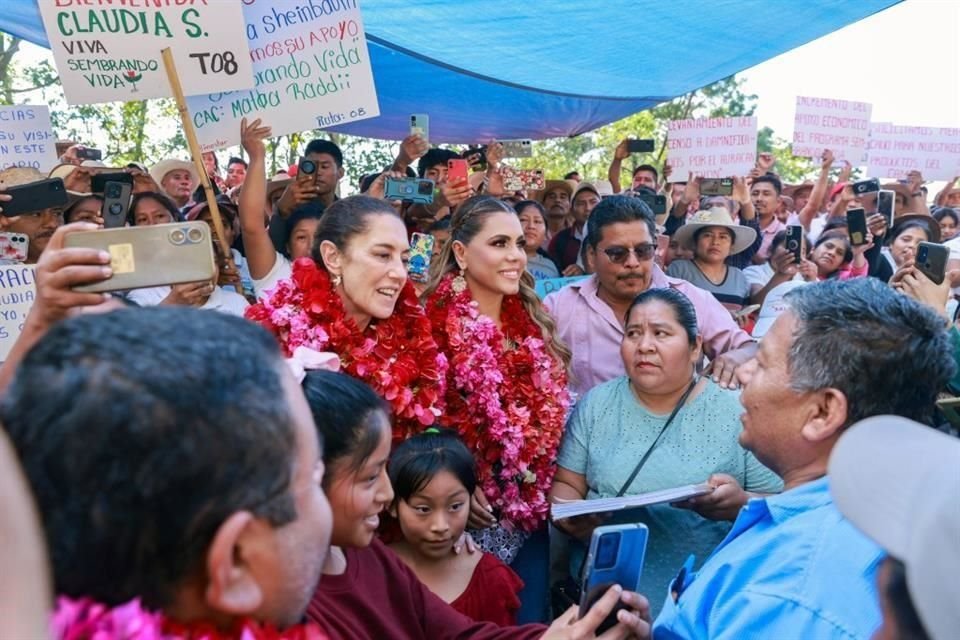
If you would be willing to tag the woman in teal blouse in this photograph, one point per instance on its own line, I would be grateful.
(616, 423)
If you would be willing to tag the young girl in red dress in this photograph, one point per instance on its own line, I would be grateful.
(433, 476)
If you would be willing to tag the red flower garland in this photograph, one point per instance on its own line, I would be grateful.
(508, 404)
(397, 357)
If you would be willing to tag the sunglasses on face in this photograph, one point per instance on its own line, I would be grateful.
(618, 255)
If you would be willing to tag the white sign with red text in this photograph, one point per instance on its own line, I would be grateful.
(712, 147)
(311, 68)
(895, 150)
(842, 126)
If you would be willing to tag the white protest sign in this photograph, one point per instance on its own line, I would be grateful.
(26, 138)
(895, 150)
(712, 147)
(311, 67)
(108, 50)
(839, 125)
(17, 291)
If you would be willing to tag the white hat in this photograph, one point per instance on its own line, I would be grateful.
(898, 481)
(599, 187)
(716, 217)
(773, 306)
(160, 170)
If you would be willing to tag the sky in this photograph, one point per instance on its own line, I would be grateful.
(905, 61)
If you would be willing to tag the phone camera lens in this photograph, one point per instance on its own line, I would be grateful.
(177, 236)
(425, 188)
(308, 167)
(116, 209)
(113, 191)
(607, 550)
(195, 235)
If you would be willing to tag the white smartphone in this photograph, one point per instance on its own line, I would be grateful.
(420, 124)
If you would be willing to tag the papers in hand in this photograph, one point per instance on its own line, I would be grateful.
(571, 508)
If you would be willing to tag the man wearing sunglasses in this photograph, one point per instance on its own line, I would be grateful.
(621, 240)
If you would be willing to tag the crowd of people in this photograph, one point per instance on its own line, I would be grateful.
(313, 445)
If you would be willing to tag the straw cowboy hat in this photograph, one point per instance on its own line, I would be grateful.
(17, 176)
(743, 236)
(160, 170)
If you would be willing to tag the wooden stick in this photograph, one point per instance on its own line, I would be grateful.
(191, 136)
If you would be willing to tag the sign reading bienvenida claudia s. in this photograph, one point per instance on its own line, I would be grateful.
(109, 50)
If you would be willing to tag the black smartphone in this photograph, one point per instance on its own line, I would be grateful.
(857, 226)
(35, 196)
(116, 204)
(716, 186)
(794, 242)
(640, 146)
(89, 154)
(866, 186)
(98, 181)
(886, 204)
(657, 203)
(932, 260)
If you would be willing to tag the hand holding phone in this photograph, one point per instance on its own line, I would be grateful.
(795, 242)
(615, 556)
(457, 171)
(641, 146)
(35, 197)
(857, 226)
(932, 261)
(420, 125)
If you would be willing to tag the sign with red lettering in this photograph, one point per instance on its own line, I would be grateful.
(311, 67)
(107, 50)
(712, 147)
(839, 125)
(26, 138)
(894, 151)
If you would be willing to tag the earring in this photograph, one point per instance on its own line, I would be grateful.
(336, 280)
(459, 283)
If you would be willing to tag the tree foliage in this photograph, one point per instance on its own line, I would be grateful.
(148, 131)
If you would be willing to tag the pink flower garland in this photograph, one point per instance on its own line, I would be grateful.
(512, 403)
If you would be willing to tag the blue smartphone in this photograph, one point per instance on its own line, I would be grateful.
(615, 557)
(421, 251)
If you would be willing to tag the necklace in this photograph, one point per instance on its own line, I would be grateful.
(508, 404)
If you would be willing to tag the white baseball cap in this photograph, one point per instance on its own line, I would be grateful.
(898, 481)
(773, 306)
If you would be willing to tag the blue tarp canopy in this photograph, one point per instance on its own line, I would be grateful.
(549, 68)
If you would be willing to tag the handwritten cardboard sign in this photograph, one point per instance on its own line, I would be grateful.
(17, 291)
(26, 138)
(839, 125)
(108, 50)
(711, 147)
(894, 151)
(311, 69)
(548, 285)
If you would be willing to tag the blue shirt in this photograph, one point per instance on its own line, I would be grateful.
(791, 567)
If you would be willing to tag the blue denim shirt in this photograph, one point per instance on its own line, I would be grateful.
(791, 567)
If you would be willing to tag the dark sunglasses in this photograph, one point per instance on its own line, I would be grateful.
(618, 255)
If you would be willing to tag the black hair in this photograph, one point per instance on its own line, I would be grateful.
(161, 198)
(570, 175)
(236, 160)
(349, 418)
(68, 212)
(905, 226)
(778, 241)
(770, 179)
(835, 222)
(682, 307)
(699, 232)
(888, 354)
(326, 147)
(837, 235)
(523, 204)
(647, 167)
(443, 224)
(897, 595)
(940, 214)
(434, 157)
(141, 431)
(367, 180)
(347, 218)
(618, 209)
(418, 459)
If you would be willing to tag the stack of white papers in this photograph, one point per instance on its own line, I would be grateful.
(571, 508)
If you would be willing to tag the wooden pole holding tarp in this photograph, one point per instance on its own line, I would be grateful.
(191, 135)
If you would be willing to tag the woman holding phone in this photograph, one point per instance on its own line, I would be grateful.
(506, 384)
